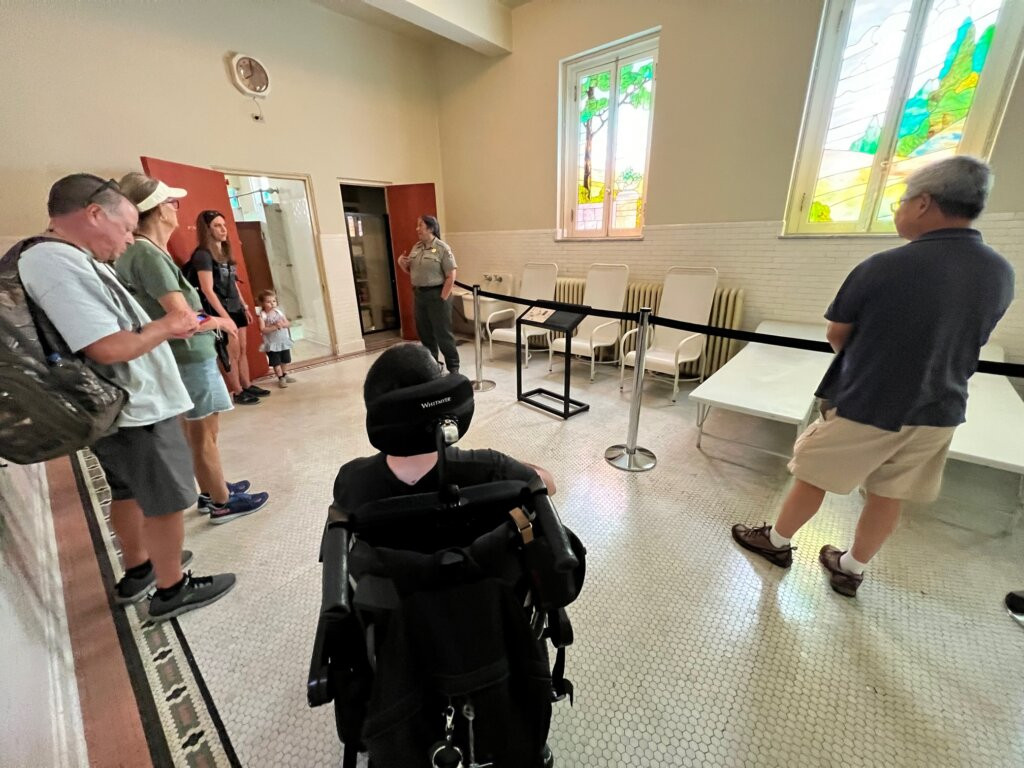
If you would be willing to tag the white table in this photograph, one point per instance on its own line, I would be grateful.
(776, 383)
(993, 435)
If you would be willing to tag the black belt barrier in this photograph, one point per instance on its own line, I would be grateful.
(1015, 370)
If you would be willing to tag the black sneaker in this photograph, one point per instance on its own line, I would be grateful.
(252, 389)
(194, 592)
(205, 501)
(547, 758)
(129, 590)
(238, 505)
(244, 398)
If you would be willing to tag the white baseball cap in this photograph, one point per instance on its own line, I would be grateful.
(161, 194)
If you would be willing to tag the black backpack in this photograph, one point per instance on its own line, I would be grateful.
(450, 630)
(52, 401)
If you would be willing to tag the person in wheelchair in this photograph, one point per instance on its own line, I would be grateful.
(386, 475)
(445, 571)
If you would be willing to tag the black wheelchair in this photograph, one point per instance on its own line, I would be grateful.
(437, 608)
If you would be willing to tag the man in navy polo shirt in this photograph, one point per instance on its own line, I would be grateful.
(907, 326)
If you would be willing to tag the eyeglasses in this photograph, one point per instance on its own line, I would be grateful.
(173, 202)
(895, 206)
(109, 184)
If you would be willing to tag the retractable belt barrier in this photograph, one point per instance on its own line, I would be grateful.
(1015, 370)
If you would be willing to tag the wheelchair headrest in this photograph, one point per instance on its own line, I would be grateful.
(404, 422)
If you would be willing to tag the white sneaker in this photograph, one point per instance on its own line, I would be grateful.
(289, 379)
(282, 382)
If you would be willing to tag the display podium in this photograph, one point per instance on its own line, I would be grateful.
(551, 320)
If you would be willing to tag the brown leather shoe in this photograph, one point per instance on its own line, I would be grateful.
(842, 582)
(758, 542)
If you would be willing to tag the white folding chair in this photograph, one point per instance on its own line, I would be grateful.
(538, 283)
(605, 289)
(686, 295)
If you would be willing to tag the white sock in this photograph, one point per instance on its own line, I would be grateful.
(776, 539)
(851, 565)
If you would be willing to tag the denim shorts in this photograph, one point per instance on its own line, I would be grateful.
(206, 388)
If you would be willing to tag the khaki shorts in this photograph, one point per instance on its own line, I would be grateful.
(838, 455)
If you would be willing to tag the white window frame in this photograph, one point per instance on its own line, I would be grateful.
(570, 71)
(983, 122)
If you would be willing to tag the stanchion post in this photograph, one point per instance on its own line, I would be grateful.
(480, 384)
(629, 457)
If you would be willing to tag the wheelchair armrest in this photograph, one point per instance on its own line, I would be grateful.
(537, 485)
(318, 685)
(564, 560)
(334, 555)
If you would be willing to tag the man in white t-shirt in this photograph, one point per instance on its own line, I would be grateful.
(147, 462)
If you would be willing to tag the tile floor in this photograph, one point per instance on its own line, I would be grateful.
(688, 652)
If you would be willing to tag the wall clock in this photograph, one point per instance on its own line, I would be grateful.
(250, 76)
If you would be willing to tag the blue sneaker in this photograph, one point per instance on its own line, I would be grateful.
(239, 505)
(205, 502)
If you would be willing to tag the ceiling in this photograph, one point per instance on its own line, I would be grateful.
(357, 9)
(363, 11)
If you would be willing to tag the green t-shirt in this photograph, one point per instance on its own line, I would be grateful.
(149, 273)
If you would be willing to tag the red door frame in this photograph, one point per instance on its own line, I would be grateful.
(207, 190)
(406, 203)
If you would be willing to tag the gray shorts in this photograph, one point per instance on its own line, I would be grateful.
(205, 387)
(150, 464)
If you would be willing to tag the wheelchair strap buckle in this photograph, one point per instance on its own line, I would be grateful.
(523, 524)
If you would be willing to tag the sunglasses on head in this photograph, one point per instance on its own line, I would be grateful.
(209, 216)
(109, 184)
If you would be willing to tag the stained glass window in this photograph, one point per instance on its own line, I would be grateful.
(611, 98)
(896, 87)
(594, 112)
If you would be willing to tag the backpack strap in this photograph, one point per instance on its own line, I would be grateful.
(523, 524)
(559, 632)
(44, 336)
(104, 273)
(108, 277)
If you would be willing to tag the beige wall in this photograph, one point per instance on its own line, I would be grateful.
(92, 86)
(731, 85)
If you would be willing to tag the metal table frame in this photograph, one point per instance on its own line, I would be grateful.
(563, 322)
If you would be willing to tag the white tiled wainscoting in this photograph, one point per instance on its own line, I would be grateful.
(785, 278)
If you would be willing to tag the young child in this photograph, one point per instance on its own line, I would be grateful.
(277, 340)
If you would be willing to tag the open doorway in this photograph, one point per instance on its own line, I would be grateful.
(373, 267)
(278, 245)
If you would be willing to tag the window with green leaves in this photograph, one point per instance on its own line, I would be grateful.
(896, 85)
(606, 119)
